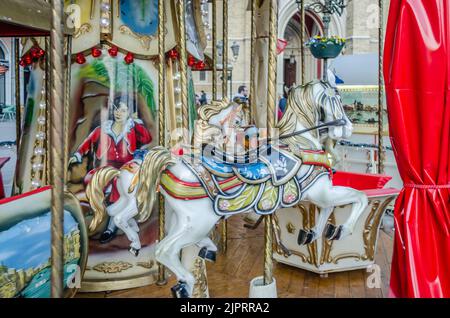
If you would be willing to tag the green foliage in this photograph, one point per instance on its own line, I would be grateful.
(127, 78)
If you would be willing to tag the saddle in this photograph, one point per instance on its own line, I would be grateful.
(236, 185)
(254, 167)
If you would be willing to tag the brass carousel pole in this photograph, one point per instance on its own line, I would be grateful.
(56, 147)
(162, 120)
(17, 96)
(271, 107)
(183, 71)
(302, 39)
(224, 95)
(68, 40)
(381, 151)
(214, 49)
(18, 110)
(225, 50)
(253, 65)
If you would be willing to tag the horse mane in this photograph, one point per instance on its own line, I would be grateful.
(207, 111)
(301, 107)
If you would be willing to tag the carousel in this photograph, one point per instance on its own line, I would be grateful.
(117, 183)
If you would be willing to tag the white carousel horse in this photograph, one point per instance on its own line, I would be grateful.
(201, 191)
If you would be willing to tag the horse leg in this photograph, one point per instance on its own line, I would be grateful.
(190, 223)
(323, 194)
(122, 221)
(306, 237)
(359, 203)
(208, 249)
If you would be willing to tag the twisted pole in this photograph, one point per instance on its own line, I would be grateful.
(56, 147)
(162, 120)
(381, 151)
(66, 104)
(183, 71)
(253, 65)
(224, 95)
(302, 39)
(271, 107)
(214, 49)
(225, 50)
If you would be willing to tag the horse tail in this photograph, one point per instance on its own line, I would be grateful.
(155, 162)
(96, 196)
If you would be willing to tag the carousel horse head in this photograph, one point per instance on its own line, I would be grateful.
(331, 102)
(311, 104)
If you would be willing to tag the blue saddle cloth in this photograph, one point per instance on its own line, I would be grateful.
(271, 162)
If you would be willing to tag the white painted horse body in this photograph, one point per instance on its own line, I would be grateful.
(190, 221)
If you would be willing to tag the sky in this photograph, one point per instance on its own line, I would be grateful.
(27, 244)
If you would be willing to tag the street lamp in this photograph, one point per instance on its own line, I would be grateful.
(235, 50)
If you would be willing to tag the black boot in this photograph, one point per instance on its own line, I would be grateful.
(107, 236)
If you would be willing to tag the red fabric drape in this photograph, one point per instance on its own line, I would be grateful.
(416, 71)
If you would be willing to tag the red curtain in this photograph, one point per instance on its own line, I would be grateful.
(417, 78)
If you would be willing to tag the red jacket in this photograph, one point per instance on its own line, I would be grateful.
(112, 150)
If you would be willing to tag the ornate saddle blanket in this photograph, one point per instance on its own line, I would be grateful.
(272, 163)
(231, 193)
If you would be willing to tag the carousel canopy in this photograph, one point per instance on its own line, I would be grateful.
(25, 18)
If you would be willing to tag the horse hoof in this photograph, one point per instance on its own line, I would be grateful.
(305, 237)
(179, 290)
(332, 232)
(329, 231)
(134, 251)
(309, 237)
(338, 233)
(207, 255)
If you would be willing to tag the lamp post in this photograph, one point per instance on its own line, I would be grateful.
(235, 50)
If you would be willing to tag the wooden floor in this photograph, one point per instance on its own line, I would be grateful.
(229, 277)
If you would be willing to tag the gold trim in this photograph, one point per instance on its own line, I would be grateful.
(201, 281)
(337, 258)
(83, 29)
(92, 286)
(143, 39)
(327, 245)
(147, 265)
(112, 267)
(371, 228)
(290, 228)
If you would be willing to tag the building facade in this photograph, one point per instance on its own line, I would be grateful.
(358, 25)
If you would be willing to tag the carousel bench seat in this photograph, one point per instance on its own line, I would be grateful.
(355, 251)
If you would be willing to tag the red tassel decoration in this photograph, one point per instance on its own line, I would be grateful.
(80, 59)
(28, 59)
(41, 52)
(96, 52)
(173, 54)
(34, 53)
(129, 58)
(113, 51)
(191, 61)
(200, 65)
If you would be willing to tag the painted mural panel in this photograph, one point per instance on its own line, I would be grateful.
(112, 118)
(25, 245)
(135, 26)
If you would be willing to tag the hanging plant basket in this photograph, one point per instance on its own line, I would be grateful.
(326, 48)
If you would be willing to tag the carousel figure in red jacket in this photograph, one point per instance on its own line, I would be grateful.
(113, 143)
